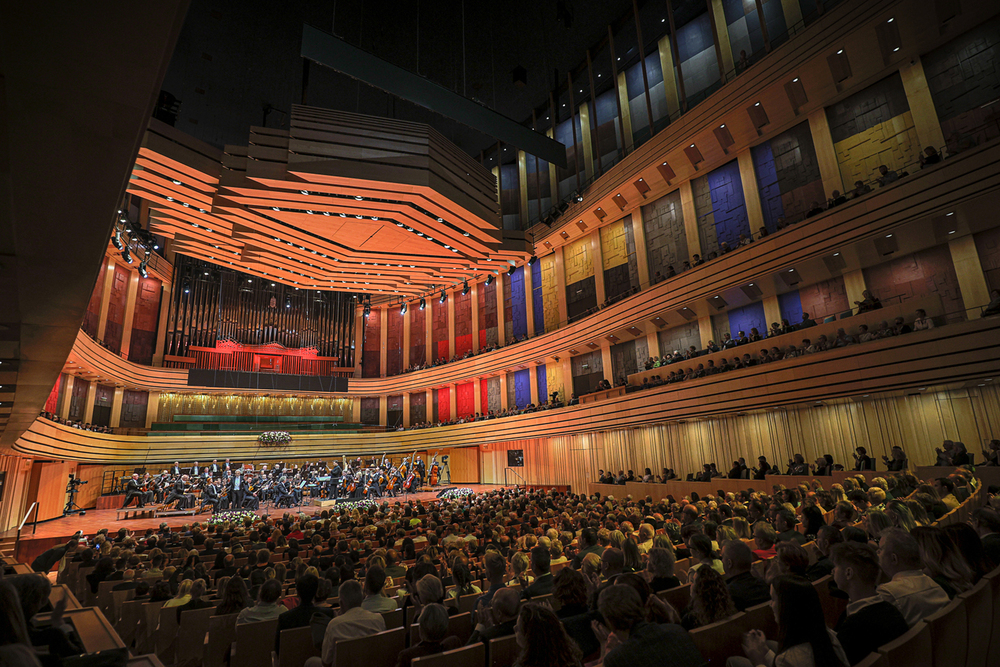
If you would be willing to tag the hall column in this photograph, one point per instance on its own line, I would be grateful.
(609, 371)
(501, 316)
(66, 397)
(477, 387)
(751, 195)
(116, 407)
(109, 279)
(690, 219)
(429, 350)
(826, 155)
(669, 78)
(704, 331)
(451, 324)
(359, 342)
(383, 410)
(130, 301)
(792, 11)
(653, 343)
(641, 256)
(503, 391)
(529, 302)
(453, 400)
(161, 325)
(723, 49)
(586, 142)
(969, 270)
(598, 263)
(626, 112)
(772, 311)
(383, 332)
(533, 379)
(152, 408)
(566, 368)
(474, 295)
(88, 407)
(922, 109)
(406, 410)
(522, 183)
(561, 287)
(406, 337)
(854, 285)
(356, 409)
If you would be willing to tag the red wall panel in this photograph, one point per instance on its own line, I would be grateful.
(439, 330)
(145, 320)
(394, 343)
(372, 349)
(93, 314)
(418, 336)
(444, 403)
(465, 399)
(822, 299)
(922, 273)
(463, 323)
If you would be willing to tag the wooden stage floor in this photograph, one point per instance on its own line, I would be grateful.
(57, 531)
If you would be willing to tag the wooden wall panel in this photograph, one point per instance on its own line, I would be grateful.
(14, 503)
(371, 355)
(93, 314)
(116, 309)
(394, 342)
(439, 330)
(922, 273)
(418, 336)
(250, 406)
(463, 323)
(134, 406)
(988, 246)
(146, 319)
(464, 464)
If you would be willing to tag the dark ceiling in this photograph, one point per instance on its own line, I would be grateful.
(237, 64)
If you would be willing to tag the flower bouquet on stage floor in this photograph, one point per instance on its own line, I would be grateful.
(274, 438)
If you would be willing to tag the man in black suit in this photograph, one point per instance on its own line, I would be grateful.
(497, 619)
(281, 494)
(643, 644)
(195, 470)
(178, 492)
(300, 615)
(44, 562)
(336, 472)
(133, 490)
(176, 470)
(214, 469)
(228, 569)
(541, 567)
(210, 496)
(986, 521)
(745, 589)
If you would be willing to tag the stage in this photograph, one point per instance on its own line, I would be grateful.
(57, 531)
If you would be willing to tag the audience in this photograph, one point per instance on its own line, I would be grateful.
(914, 593)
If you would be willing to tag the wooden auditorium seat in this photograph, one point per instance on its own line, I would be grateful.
(949, 634)
(993, 657)
(254, 644)
(189, 648)
(393, 619)
(166, 634)
(378, 650)
(761, 617)
(296, 647)
(502, 651)
(459, 625)
(979, 609)
(460, 657)
(221, 635)
(149, 618)
(678, 597)
(911, 650)
(721, 640)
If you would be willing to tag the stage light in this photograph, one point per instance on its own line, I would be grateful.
(423, 303)
(489, 280)
(142, 270)
(444, 296)
(465, 288)
(511, 270)
(402, 309)
(127, 256)
(116, 240)
(531, 262)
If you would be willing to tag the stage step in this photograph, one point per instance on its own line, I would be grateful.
(135, 513)
(157, 513)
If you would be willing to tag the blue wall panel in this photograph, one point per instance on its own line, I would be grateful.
(522, 388)
(746, 318)
(519, 309)
(543, 385)
(767, 180)
(728, 205)
(790, 304)
(536, 299)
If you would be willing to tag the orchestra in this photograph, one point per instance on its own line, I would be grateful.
(233, 486)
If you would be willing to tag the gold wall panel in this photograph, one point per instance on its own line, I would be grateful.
(614, 250)
(550, 293)
(578, 260)
(893, 143)
(250, 406)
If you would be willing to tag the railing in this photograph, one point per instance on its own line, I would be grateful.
(34, 525)
(514, 473)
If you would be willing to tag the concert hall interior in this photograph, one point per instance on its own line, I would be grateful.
(522, 243)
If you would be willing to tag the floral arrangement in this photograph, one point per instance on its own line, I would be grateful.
(361, 505)
(231, 517)
(274, 438)
(455, 494)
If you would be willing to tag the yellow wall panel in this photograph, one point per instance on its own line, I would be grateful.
(554, 379)
(893, 143)
(614, 251)
(550, 296)
(578, 260)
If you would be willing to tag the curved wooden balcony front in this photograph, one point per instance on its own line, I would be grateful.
(955, 353)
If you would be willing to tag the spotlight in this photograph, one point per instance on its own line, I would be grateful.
(511, 270)
(402, 309)
(577, 197)
(142, 270)
(489, 280)
(465, 288)
(423, 303)
(116, 240)
(531, 262)
(127, 256)
(444, 296)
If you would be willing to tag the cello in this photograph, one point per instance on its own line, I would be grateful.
(435, 471)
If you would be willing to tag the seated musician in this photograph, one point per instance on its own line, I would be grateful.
(133, 490)
(178, 493)
(210, 496)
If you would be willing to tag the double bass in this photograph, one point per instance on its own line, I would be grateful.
(435, 471)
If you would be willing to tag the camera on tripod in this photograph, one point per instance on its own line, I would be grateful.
(72, 488)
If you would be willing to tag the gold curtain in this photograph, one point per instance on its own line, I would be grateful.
(250, 406)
